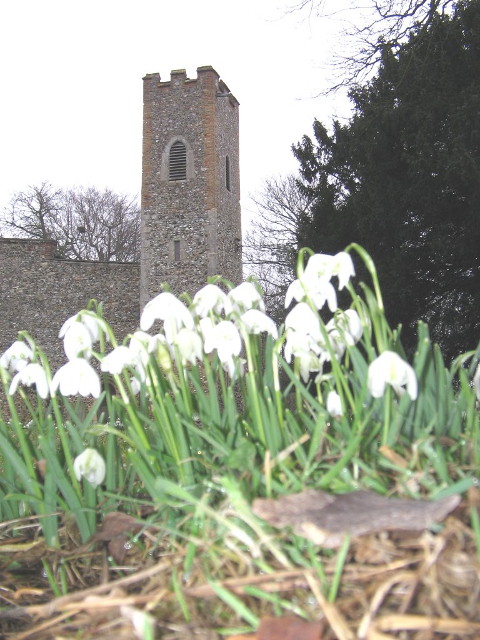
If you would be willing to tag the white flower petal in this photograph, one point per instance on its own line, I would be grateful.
(32, 374)
(16, 357)
(245, 297)
(90, 465)
(255, 321)
(76, 377)
(389, 368)
(334, 405)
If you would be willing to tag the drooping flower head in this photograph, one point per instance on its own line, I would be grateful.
(334, 405)
(116, 361)
(389, 368)
(255, 321)
(86, 318)
(77, 341)
(76, 377)
(225, 339)
(91, 466)
(170, 310)
(211, 298)
(189, 345)
(16, 357)
(32, 374)
(245, 297)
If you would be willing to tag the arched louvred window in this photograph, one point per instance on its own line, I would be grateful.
(227, 173)
(177, 167)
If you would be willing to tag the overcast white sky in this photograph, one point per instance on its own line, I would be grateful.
(71, 78)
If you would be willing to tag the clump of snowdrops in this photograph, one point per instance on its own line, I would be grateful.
(209, 393)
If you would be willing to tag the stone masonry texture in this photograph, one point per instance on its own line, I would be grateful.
(199, 215)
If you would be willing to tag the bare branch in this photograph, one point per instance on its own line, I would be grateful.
(86, 223)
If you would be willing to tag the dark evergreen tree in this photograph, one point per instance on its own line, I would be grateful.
(402, 178)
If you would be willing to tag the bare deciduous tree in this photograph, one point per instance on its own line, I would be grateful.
(87, 224)
(271, 244)
(370, 27)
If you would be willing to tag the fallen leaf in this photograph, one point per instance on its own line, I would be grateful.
(288, 628)
(117, 529)
(326, 519)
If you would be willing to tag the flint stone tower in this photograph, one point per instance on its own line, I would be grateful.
(191, 223)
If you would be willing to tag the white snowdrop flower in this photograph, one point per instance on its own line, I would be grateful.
(337, 345)
(319, 289)
(299, 343)
(309, 363)
(159, 346)
(342, 267)
(296, 291)
(255, 321)
(389, 368)
(211, 298)
(225, 338)
(116, 361)
(320, 265)
(245, 297)
(301, 318)
(16, 357)
(139, 349)
(31, 374)
(76, 377)
(77, 341)
(189, 345)
(476, 382)
(135, 386)
(334, 405)
(91, 466)
(89, 320)
(206, 326)
(345, 328)
(164, 307)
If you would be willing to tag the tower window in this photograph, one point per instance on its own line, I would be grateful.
(177, 168)
(227, 173)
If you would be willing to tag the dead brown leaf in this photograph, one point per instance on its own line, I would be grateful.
(117, 529)
(326, 519)
(288, 628)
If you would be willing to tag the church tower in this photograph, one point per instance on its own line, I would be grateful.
(191, 222)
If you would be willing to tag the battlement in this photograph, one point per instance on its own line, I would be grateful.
(178, 77)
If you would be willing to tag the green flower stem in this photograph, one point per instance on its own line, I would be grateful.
(387, 404)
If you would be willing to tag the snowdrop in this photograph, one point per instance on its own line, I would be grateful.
(16, 357)
(318, 289)
(225, 338)
(91, 466)
(302, 319)
(308, 362)
(255, 321)
(325, 266)
(245, 297)
(334, 405)
(342, 267)
(76, 377)
(116, 361)
(171, 310)
(32, 374)
(345, 327)
(159, 346)
(90, 321)
(389, 368)
(211, 298)
(298, 343)
(189, 345)
(77, 341)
